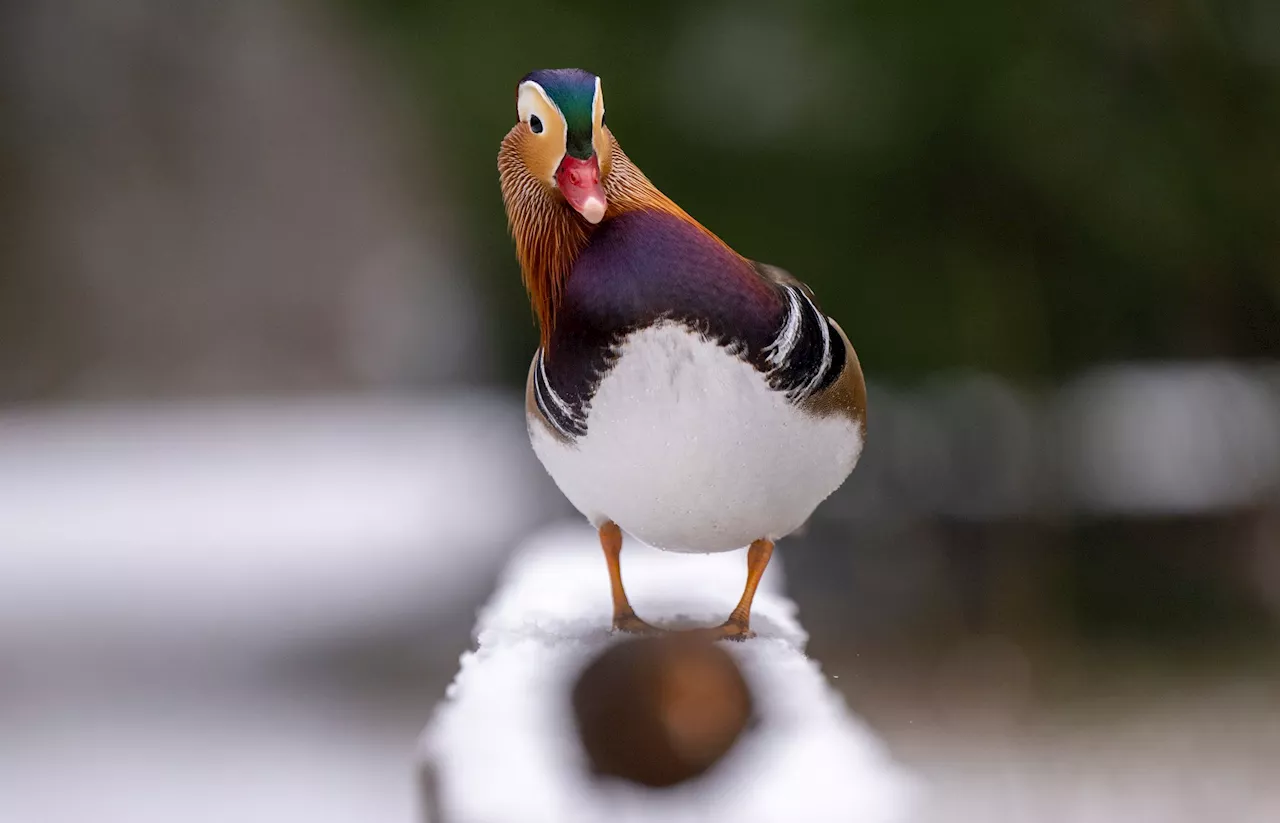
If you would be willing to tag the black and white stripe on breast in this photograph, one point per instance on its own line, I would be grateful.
(808, 353)
(566, 418)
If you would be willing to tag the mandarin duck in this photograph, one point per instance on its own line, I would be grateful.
(681, 393)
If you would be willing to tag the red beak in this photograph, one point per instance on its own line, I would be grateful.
(579, 182)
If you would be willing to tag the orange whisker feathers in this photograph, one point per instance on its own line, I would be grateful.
(549, 235)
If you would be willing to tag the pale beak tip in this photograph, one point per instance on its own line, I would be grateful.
(593, 209)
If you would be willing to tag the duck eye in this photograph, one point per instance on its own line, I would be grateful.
(535, 125)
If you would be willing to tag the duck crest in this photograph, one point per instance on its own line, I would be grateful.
(550, 236)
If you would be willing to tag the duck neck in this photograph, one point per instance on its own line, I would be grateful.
(549, 235)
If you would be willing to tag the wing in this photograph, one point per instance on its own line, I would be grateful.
(811, 359)
(545, 405)
(809, 352)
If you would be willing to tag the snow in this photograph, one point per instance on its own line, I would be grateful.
(502, 746)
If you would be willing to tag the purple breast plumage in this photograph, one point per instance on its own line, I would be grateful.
(645, 267)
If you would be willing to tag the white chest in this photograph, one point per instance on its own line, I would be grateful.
(688, 449)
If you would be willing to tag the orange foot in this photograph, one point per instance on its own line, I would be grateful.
(629, 623)
(731, 629)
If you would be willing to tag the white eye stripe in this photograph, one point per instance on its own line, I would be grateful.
(532, 100)
(598, 139)
(527, 101)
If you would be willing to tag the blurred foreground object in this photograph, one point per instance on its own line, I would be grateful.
(508, 720)
(661, 710)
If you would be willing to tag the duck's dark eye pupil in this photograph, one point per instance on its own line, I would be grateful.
(535, 125)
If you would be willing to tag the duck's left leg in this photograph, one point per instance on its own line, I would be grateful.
(624, 617)
(738, 626)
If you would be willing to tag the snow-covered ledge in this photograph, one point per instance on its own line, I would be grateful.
(503, 746)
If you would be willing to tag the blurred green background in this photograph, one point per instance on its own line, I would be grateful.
(1021, 188)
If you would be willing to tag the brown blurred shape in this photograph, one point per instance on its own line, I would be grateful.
(661, 710)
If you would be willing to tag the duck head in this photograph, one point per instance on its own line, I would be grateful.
(561, 173)
(562, 140)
